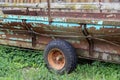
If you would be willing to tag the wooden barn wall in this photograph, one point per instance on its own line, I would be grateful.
(38, 1)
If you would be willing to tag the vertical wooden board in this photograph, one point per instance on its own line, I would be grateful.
(31, 1)
(13, 1)
(17, 1)
(52, 1)
(34, 1)
(40, 1)
(6, 1)
(74, 0)
(37, 1)
(27, 1)
(43, 0)
(10, 1)
(22, 1)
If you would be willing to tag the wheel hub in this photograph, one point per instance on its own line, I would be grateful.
(56, 59)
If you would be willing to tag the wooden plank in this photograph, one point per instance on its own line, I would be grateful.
(83, 6)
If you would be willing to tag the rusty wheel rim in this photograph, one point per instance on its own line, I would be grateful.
(56, 59)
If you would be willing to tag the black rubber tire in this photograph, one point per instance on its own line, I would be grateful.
(69, 54)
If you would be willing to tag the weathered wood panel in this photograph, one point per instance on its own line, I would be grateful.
(38, 1)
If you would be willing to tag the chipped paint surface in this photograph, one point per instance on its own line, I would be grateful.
(95, 34)
(37, 19)
(98, 27)
(56, 22)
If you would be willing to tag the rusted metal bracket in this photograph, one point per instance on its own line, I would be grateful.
(88, 38)
(30, 31)
(27, 11)
(49, 12)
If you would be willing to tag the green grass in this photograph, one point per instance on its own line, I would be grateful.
(19, 64)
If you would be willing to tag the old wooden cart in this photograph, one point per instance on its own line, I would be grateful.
(64, 31)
